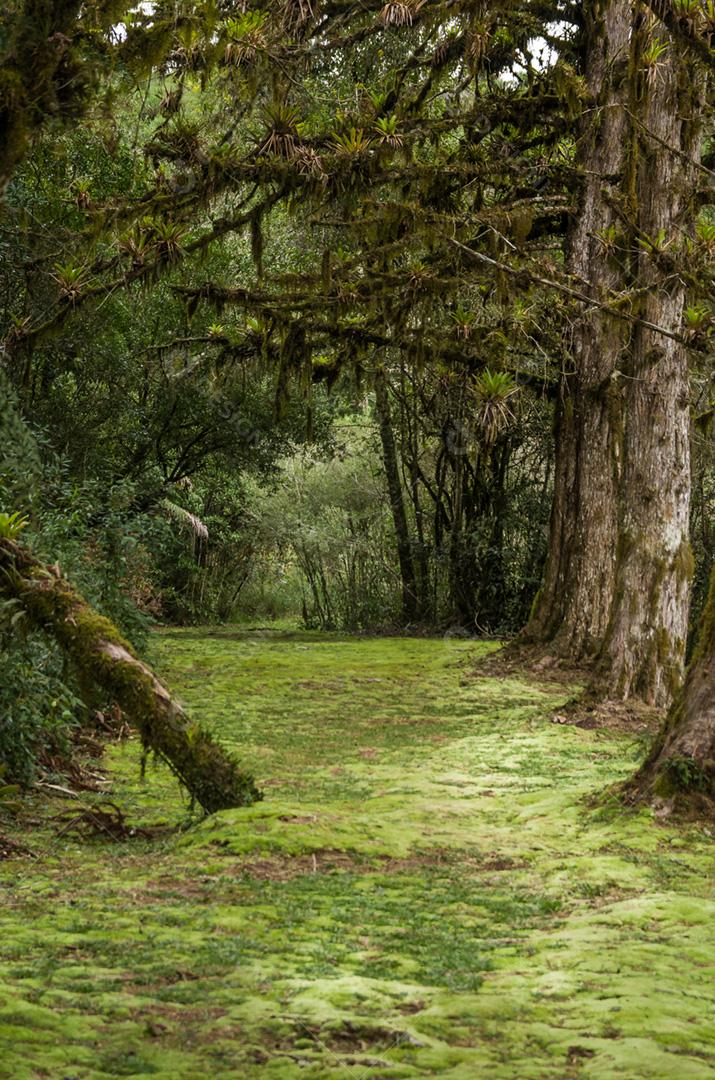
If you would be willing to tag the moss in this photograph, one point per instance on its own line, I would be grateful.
(667, 772)
(681, 773)
(684, 563)
(426, 892)
(536, 603)
(102, 656)
(706, 633)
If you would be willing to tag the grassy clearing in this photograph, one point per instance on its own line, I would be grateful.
(425, 891)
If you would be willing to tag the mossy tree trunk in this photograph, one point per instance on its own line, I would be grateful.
(574, 605)
(682, 760)
(103, 658)
(644, 649)
(618, 573)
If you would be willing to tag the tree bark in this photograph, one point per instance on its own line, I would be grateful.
(573, 607)
(682, 760)
(617, 580)
(102, 657)
(644, 649)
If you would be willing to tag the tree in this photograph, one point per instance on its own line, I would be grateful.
(410, 599)
(49, 54)
(619, 565)
(102, 657)
(681, 763)
(434, 177)
(644, 648)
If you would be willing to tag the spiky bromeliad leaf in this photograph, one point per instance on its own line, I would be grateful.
(282, 135)
(11, 525)
(351, 142)
(493, 391)
(245, 38)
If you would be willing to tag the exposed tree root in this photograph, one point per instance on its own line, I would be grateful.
(680, 768)
(10, 849)
(106, 821)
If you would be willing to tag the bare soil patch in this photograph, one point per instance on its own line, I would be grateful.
(620, 717)
(329, 861)
(527, 662)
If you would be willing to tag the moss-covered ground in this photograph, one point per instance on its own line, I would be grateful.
(428, 889)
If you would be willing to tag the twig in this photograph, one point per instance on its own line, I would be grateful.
(568, 291)
(57, 787)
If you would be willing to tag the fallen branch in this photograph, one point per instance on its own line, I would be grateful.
(105, 820)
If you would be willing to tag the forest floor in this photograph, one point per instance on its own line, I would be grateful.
(428, 889)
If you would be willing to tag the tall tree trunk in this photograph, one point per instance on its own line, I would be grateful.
(682, 760)
(421, 549)
(645, 645)
(462, 580)
(573, 607)
(410, 603)
(491, 595)
(617, 578)
(102, 657)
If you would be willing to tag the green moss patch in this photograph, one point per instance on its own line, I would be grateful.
(428, 889)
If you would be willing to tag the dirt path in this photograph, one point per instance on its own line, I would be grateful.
(425, 891)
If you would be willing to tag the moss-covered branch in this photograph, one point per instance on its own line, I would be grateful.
(102, 657)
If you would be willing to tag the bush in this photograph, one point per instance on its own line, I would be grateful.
(38, 710)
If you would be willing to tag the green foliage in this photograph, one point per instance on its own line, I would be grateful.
(20, 465)
(493, 390)
(464, 320)
(254, 216)
(70, 280)
(245, 37)
(38, 710)
(147, 392)
(697, 316)
(40, 701)
(352, 142)
(387, 129)
(7, 791)
(684, 774)
(282, 130)
(324, 536)
(11, 525)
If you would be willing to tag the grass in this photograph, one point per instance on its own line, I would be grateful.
(428, 889)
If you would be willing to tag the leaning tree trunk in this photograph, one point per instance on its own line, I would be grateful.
(102, 657)
(573, 607)
(682, 760)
